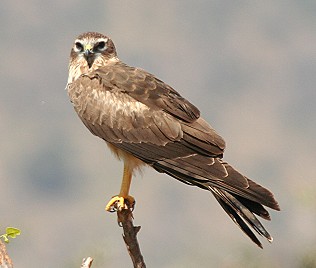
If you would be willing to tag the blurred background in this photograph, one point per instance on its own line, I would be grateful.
(250, 66)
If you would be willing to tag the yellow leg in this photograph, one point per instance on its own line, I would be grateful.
(118, 201)
(126, 182)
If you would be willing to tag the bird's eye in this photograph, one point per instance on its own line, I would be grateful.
(100, 46)
(78, 47)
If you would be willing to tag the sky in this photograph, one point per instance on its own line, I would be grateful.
(250, 68)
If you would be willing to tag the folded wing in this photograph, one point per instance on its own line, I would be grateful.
(139, 114)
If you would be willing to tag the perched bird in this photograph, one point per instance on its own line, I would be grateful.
(144, 121)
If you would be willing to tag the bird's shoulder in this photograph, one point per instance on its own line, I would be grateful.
(146, 88)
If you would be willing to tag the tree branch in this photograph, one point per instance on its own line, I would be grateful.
(5, 260)
(86, 262)
(125, 220)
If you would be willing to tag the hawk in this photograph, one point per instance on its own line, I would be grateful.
(144, 121)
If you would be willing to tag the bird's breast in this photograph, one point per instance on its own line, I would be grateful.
(111, 108)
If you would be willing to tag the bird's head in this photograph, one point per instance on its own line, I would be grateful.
(92, 48)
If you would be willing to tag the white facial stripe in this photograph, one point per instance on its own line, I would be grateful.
(105, 40)
(86, 41)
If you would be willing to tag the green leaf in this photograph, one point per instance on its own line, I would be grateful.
(12, 232)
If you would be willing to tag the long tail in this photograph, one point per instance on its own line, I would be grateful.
(240, 197)
(242, 215)
(240, 203)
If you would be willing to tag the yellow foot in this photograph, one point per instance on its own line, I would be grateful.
(119, 203)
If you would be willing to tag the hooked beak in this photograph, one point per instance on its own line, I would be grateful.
(88, 54)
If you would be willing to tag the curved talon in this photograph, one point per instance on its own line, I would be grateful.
(118, 203)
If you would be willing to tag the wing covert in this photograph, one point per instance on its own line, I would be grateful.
(149, 90)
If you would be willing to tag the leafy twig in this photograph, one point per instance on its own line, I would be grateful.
(11, 232)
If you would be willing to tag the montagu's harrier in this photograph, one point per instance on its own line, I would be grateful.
(146, 122)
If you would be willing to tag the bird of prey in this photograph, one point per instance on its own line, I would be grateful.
(144, 121)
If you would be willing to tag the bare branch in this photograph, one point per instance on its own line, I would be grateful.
(5, 260)
(86, 262)
(125, 220)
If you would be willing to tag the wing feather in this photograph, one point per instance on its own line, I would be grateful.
(147, 89)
